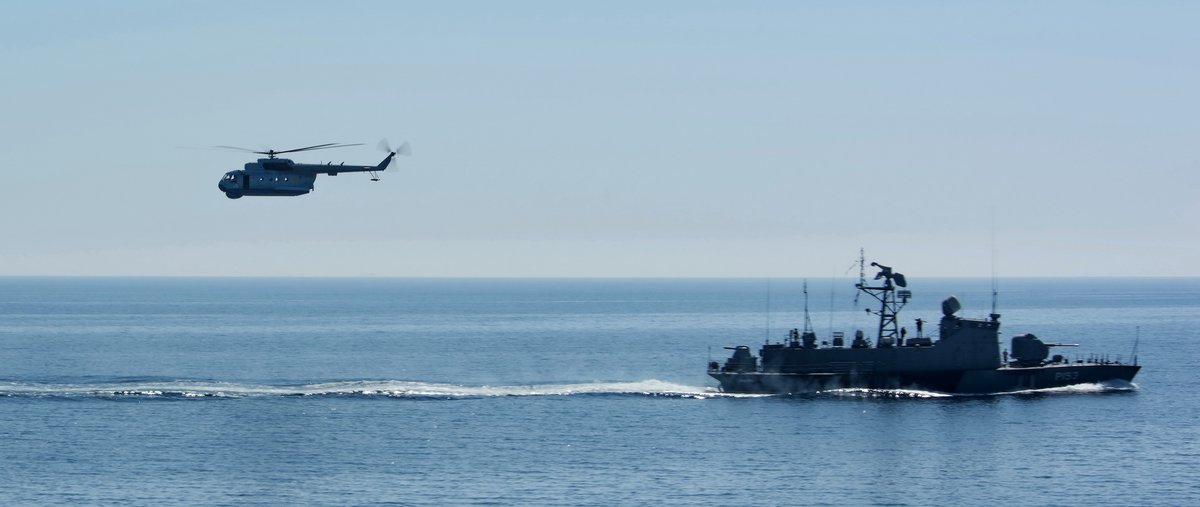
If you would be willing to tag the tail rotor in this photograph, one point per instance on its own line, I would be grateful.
(402, 149)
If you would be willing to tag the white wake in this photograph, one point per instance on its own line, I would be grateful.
(385, 388)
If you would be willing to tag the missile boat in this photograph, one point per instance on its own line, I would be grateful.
(965, 357)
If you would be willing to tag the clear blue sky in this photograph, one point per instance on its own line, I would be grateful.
(606, 138)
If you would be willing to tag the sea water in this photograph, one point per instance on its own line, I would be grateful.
(147, 391)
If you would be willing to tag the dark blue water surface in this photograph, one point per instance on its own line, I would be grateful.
(562, 392)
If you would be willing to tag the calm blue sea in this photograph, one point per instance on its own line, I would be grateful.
(144, 391)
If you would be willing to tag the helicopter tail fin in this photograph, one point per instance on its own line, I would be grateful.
(386, 161)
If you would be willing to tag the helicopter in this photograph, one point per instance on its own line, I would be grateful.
(281, 176)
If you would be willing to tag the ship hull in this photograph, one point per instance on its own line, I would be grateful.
(998, 380)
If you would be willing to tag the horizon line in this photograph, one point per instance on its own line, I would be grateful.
(581, 277)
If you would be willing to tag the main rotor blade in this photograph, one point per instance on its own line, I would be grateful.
(272, 153)
(239, 149)
(319, 147)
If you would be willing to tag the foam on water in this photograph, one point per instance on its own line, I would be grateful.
(417, 389)
(1100, 387)
(382, 388)
(1095, 387)
(885, 393)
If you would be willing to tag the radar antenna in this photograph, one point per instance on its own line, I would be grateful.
(891, 301)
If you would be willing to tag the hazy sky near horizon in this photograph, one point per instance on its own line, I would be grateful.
(673, 138)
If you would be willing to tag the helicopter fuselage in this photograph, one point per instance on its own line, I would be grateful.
(283, 177)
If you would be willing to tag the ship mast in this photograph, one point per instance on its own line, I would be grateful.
(862, 272)
(886, 294)
(809, 338)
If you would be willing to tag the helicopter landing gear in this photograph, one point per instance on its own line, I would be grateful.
(233, 195)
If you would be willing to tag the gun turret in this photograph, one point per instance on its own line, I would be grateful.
(1028, 350)
(742, 360)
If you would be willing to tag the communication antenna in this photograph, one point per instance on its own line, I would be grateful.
(862, 273)
(995, 293)
(832, 284)
(1136, 338)
(807, 321)
(768, 331)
